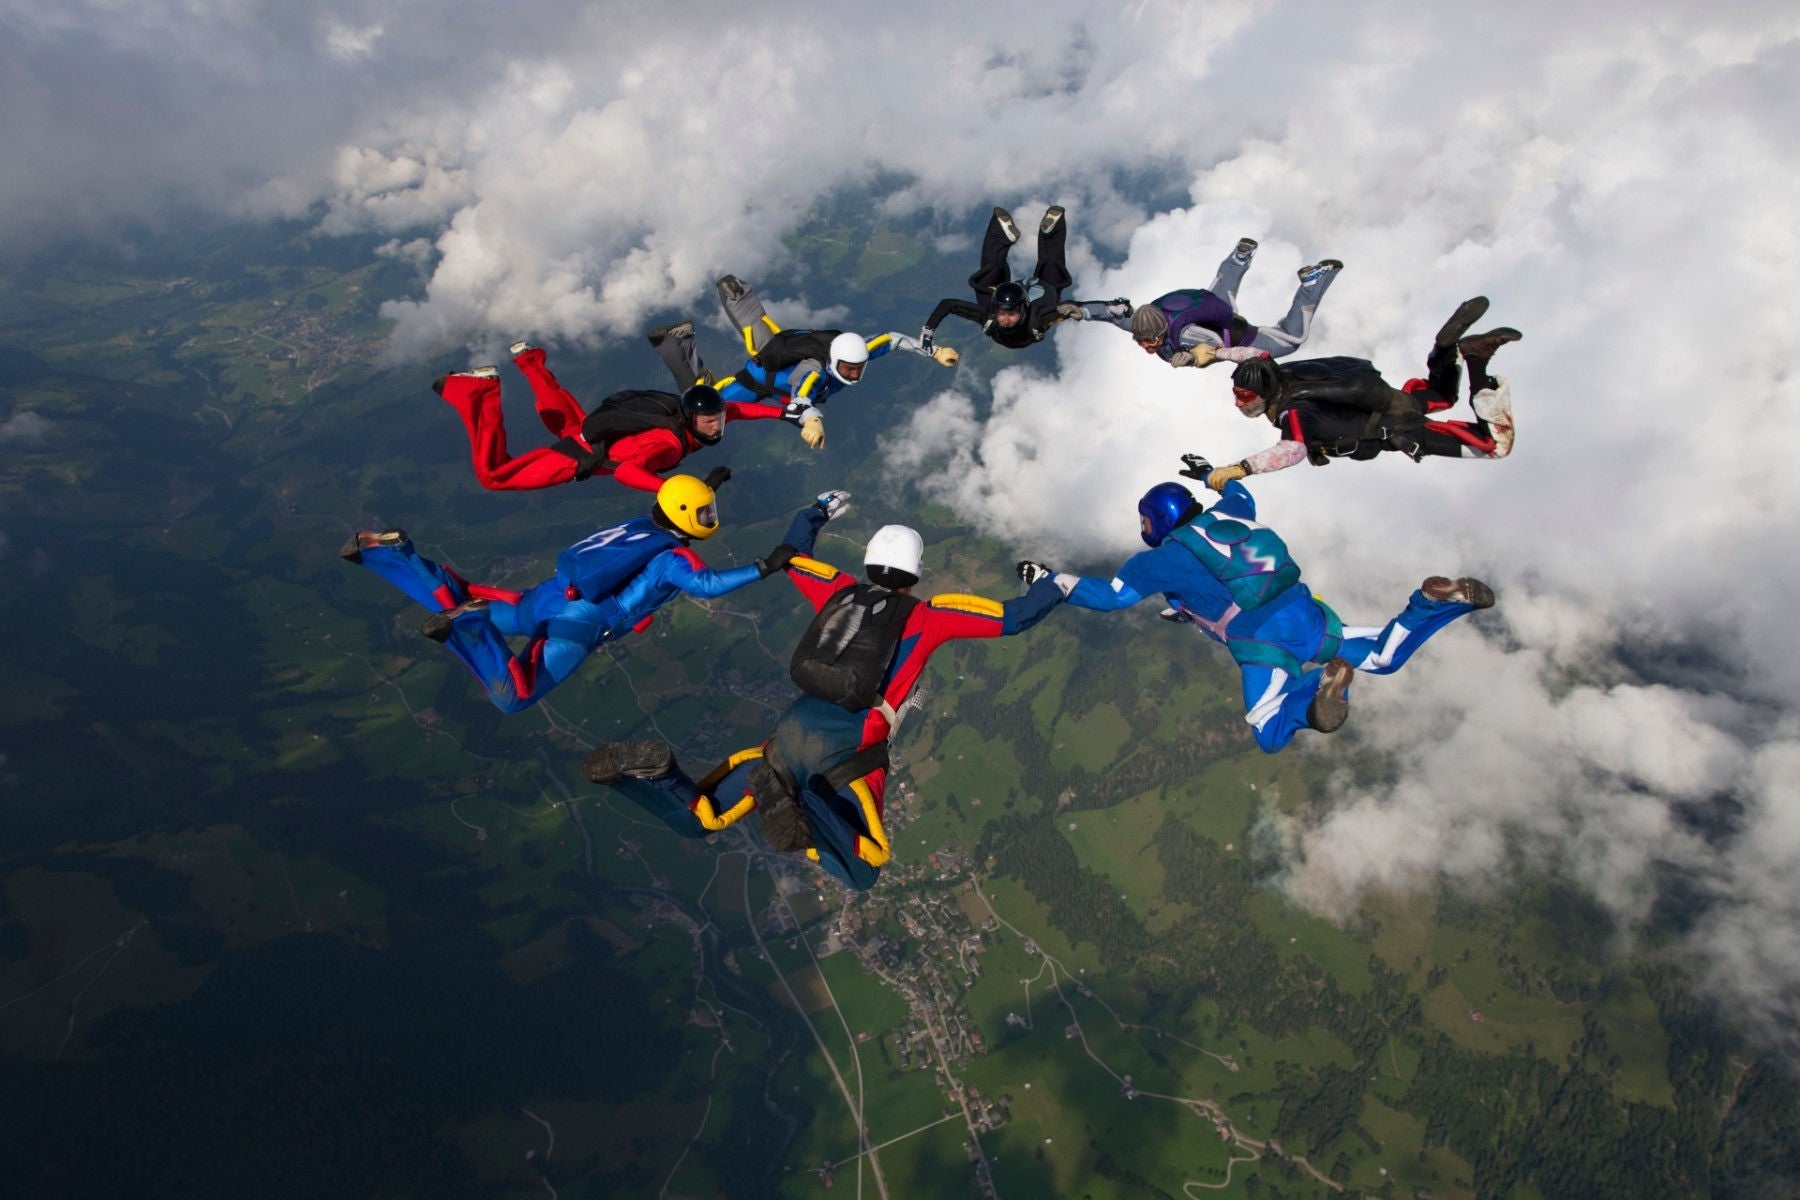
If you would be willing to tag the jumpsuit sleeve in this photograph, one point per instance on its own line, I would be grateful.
(880, 344)
(1236, 501)
(686, 570)
(950, 306)
(818, 581)
(1279, 457)
(743, 410)
(803, 530)
(644, 454)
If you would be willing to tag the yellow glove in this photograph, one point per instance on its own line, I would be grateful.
(812, 430)
(1201, 355)
(1220, 476)
(946, 356)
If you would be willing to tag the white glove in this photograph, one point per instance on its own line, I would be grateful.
(832, 503)
(812, 430)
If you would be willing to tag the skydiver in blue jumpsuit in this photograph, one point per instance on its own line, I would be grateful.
(1234, 579)
(606, 585)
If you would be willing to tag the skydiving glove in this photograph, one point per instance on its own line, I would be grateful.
(946, 356)
(776, 560)
(1201, 355)
(716, 478)
(795, 412)
(832, 503)
(926, 334)
(1071, 312)
(1031, 572)
(1218, 477)
(812, 430)
(1197, 467)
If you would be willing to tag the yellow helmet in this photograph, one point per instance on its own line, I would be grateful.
(688, 506)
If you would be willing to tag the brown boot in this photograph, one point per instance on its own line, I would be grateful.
(1330, 707)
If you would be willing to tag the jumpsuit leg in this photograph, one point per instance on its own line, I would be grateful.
(671, 797)
(1383, 650)
(424, 582)
(834, 837)
(748, 317)
(680, 352)
(1231, 275)
(1285, 338)
(560, 412)
(477, 401)
(1275, 703)
(993, 270)
(1052, 270)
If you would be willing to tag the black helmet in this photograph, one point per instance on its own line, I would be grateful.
(1009, 297)
(702, 400)
(1259, 375)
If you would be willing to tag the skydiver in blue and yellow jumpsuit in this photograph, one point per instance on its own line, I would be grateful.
(800, 368)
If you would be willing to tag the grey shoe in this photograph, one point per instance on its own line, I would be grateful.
(366, 540)
(732, 288)
(1330, 707)
(1462, 320)
(1245, 247)
(1052, 217)
(1324, 265)
(437, 625)
(1468, 591)
(680, 329)
(1007, 225)
(642, 759)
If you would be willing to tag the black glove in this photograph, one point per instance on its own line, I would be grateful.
(1197, 467)
(1031, 572)
(776, 560)
(716, 478)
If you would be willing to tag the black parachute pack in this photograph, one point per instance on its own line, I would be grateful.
(785, 349)
(845, 653)
(620, 415)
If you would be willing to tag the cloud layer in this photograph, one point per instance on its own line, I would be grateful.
(1623, 189)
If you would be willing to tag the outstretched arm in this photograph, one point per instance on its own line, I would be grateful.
(687, 571)
(950, 306)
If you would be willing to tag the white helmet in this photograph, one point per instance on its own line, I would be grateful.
(847, 349)
(894, 549)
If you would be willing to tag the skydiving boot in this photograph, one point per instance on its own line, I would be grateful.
(681, 329)
(1330, 706)
(1494, 407)
(1007, 225)
(437, 625)
(1245, 247)
(366, 540)
(1461, 321)
(1313, 273)
(1440, 590)
(1052, 216)
(642, 759)
(732, 288)
(1477, 349)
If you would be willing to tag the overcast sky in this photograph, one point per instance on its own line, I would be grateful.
(1625, 190)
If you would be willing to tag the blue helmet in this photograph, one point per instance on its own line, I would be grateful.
(1162, 508)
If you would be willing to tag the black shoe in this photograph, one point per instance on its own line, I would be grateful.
(1007, 225)
(1052, 216)
(680, 329)
(732, 288)
(1468, 591)
(365, 540)
(1330, 707)
(614, 761)
(1245, 247)
(437, 625)
(1462, 320)
(1483, 345)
